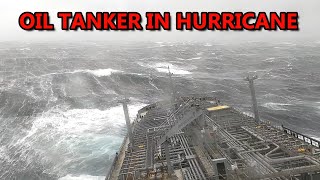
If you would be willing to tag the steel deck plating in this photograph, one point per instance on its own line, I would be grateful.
(202, 139)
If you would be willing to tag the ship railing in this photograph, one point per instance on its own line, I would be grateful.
(111, 168)
(114, 162)
(267, 122)
(282, 128)
(306, 139)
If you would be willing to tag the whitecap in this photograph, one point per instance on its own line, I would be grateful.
(163, 45)
(4, 154)
(276, 106)
(174, 71)
(79, 121)
(25, 49)
(95, 72)
(271, 58)
(163, 68)
(66, 136)
(102, 72)
(288, 44)
(82, 177)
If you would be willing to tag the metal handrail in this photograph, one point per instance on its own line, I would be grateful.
(115, 159)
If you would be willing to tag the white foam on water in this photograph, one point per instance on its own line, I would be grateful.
(102, 72)
(271, 59)
(4, 154)
(25, 49)
(165, 45)
(289, 44)
(276, 106)
(97, 72)
(75, 137)
(194, 58)
(318, 107)
(163, 68)
(81, 177)
(81, 122)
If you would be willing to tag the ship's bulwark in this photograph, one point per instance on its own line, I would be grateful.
(58, 102)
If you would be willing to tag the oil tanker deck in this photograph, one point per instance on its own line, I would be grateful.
(198, 137)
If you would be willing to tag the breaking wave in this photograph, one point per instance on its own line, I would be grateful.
(72, 139)
(276, 106)
(163, 68)
(82, 177)
(96, 72)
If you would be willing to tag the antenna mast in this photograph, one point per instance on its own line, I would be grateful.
(173, 89)
(124, 103)
(253, 96)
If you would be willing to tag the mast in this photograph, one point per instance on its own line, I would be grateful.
(253, 97)
(124, 103)
(173, 89)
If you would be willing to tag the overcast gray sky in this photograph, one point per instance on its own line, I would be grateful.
(11, 10)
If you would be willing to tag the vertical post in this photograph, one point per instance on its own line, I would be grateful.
(253, 96)
(167, 153)
(173, 89)
(126, 115)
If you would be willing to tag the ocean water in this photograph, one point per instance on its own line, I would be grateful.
(59, 116)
